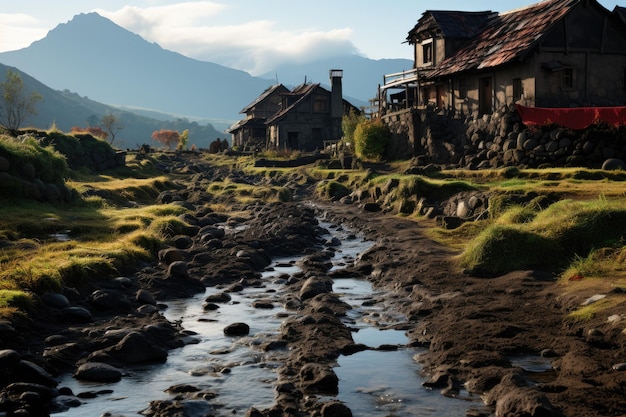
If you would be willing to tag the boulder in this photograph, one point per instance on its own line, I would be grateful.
(55, 300)
(317, 378)
(97, 372)
(314, 286)
(237, 329)
(614, 164)
(136, 348)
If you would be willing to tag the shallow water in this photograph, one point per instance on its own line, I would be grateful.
(372, 383)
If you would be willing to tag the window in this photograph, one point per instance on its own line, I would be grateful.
(427, 51)
(320, 104)
(567, 78)
(518, 89)
(462, 88)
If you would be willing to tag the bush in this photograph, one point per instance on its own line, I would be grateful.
(370, 139)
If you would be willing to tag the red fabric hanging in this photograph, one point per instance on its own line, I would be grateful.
(573, 118)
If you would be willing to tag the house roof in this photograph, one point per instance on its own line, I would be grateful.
(506, 37)
(455, 24)
(299, 93)
(253, 122)
(265, 94)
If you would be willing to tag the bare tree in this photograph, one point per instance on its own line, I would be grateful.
(15, 106)
(111, 125)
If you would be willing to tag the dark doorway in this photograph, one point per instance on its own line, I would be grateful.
(292, 140)
(485, 103)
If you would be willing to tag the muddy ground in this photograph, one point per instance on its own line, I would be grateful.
(472, 326)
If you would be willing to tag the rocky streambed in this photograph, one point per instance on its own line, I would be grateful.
(469, 332)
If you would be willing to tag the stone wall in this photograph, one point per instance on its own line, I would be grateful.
(500, 139)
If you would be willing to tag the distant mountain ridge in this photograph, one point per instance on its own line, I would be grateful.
(64, 110)
(96, 58)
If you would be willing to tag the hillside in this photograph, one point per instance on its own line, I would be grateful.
(65, 109)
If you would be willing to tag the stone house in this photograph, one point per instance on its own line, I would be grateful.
(251, 132)
(303, 118)
(556, 53)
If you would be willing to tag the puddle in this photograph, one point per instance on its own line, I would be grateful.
(537, 369)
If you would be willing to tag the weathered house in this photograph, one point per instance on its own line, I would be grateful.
(556, 53)
(250, 132)
(310, 115)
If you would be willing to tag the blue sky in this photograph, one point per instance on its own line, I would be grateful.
(251, 35)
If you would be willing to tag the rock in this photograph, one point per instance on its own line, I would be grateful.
(79, 314)
(136, 348)
(237, 329)
(317, 378)
(169, 255)
(109, 300)
(97, 372)
(4, 164)
(177, 269)
(619, 367)
(371, 207)
(145, 297)
(55, 300)
(30, 372)
(335, 409)
(221, 297)
(263, 304)
(614, 164)
(182, 242)
(314, 286)
(9, 359)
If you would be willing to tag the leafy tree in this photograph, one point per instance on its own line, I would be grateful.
(15, 106)
(184, 140)
(167, 137)
(371, 138)
(349, 122)
(111, 126)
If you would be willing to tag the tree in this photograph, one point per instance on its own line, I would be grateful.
(349, 122)
(184, 140)
(16, 107)
(111, 126)
(167, 137)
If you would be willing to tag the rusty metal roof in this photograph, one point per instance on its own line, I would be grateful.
(505, 37)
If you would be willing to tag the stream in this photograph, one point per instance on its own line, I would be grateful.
(240, 375)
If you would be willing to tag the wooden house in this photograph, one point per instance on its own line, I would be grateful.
(251, 132)
(310, 116)
(556, 53)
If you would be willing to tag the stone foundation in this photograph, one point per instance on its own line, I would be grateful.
(499, 140)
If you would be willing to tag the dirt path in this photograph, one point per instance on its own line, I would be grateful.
(475, 326)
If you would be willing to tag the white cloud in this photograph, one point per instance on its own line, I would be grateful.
(17, 30)
(202, 30)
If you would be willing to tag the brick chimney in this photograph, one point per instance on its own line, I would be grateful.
(336, 102)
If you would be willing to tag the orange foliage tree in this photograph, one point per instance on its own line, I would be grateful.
(169, 138)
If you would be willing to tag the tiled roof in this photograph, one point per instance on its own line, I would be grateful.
(506, 37)
(268, 91)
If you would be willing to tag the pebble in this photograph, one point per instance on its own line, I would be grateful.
(619, 366)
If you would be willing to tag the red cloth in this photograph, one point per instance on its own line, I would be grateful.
(572, 118)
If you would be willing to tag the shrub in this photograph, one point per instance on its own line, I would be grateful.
(370, 139)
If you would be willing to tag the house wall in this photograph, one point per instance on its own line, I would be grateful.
(598, 80)
(303, 128)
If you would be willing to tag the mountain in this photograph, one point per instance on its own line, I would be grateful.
(65, 110)
(97, 58)
(361, 76)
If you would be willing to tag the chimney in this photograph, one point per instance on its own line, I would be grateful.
(336, 102)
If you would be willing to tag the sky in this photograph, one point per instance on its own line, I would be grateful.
(250, 35)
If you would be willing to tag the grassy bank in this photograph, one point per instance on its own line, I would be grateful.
(568, 221)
